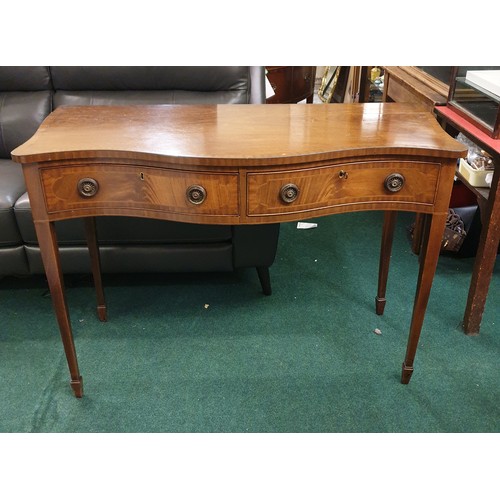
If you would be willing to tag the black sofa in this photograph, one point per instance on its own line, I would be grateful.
(128, 245)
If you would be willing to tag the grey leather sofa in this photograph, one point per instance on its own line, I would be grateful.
(128, 245)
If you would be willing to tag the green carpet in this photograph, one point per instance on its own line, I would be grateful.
(210, 353)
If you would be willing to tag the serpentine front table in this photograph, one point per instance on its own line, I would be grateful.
(235, 164)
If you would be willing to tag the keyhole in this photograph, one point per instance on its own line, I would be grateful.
(141, 176)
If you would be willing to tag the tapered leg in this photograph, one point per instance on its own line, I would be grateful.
(265, 279)
(95, 261)
(433, 229)
(50, 255)
(385, 258)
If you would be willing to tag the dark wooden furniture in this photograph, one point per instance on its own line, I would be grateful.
(291, 84)
(489, 201)
(224, 164)
(415, 85)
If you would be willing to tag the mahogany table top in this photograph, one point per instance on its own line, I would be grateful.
(239, 134)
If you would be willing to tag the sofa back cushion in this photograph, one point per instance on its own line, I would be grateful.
(25, 78)
(25, 100)
(98, 85)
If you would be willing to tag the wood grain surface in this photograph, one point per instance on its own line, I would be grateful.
(237, 134)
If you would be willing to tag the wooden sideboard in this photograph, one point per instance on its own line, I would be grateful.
(291, 84)
(226, 164)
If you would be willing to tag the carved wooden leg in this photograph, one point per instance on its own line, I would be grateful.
(385, 258)
(433, 230)
(95, 261)
(50, 255)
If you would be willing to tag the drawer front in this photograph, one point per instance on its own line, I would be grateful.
(142, 188)
(322, 187)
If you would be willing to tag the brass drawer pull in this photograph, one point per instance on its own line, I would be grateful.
(196, 194)
(289, 193)
(88, 187)
(394, 182)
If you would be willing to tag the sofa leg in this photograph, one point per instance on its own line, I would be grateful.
(265, 279)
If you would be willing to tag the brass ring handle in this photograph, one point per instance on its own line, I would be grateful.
(88, 187)
(394, 182)
(196, 194)
(289, 193)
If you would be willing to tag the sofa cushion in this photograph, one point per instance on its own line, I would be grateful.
(21, 113)
(124, 97)
(24, 78)
(25, 100)
(96, 85)
(134, 230)
(190, 78)
(11, 188)
(141, 258)
(13, 260)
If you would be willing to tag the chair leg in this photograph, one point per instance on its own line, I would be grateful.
(265, 280)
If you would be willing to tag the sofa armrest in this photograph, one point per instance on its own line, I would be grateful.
(255, 246)
(257, 86)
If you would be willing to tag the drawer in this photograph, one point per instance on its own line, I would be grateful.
(293, 191)
(142, 188)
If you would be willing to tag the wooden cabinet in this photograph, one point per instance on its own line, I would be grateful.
(291, 84)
